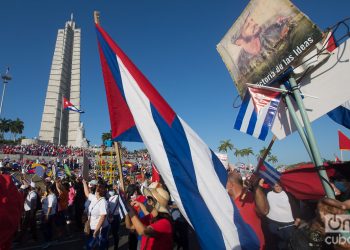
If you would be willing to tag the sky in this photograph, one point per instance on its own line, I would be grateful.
(172, 42)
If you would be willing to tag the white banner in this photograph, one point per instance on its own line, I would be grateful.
(330, 83)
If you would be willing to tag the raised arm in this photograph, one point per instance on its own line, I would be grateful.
(86, 189)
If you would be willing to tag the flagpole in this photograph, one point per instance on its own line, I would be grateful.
(119, 164)
(59, 135)
(311, 139)
(297, 123)
(263, 157)
(341, 155)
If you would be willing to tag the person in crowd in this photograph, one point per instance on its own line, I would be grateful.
(312, 235)
(11, 207)
(30, 208)
(62, 207)
(134, 193)
(283, 216)
(97, 217)
(155, 227)
(181, 228)
(70, 209)
(252, 204)
(113, 214)
(79, 201)
(49, 211)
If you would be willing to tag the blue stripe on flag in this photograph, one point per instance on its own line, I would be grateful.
(179, 155)
(112, 61)
(132, 134)
(241, 112)
(270, 175)
(252, 123)
(219, 169)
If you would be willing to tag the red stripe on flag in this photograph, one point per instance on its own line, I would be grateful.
(331, 45)
(116, 102)
(155, 98)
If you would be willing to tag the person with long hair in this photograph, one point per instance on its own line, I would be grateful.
(156, 227)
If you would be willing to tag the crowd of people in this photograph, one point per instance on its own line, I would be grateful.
(44, 150)
(98, 207)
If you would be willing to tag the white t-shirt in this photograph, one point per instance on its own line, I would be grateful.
(31, 197)
(280, 209)
(96, 209)
(113, 204)
(88, 201)
(50, 201)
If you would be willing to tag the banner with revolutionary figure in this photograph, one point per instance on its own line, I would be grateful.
(267, 38)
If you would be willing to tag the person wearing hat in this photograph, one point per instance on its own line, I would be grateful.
(30, 208)
(156, 227)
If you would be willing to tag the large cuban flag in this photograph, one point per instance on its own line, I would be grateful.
(192, 172)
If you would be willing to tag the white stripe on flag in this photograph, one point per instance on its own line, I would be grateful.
(214, 193)
(246, 120)
(266, 176)
(260, 120)
(147, 129)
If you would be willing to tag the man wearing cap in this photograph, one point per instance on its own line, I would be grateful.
(155, 227)
(29, 212)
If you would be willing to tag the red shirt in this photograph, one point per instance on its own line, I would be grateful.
(163, 239)
(247, 210)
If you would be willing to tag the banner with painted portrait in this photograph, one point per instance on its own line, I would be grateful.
(266, 39)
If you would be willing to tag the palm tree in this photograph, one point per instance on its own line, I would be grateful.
(238, 153)
(16, 127)
(272, 158)
(247, 152)
(4, 126)
(225, 145)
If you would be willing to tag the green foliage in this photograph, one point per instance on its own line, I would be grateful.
(225, 145)
(15, 127)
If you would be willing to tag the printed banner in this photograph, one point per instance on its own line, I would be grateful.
(267, 38)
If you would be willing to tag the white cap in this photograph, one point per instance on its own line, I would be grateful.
(32, 184)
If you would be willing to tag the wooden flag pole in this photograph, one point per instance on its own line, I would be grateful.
(263, 157)
(119, 164)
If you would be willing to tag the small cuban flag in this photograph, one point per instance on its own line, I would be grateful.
(67, 105)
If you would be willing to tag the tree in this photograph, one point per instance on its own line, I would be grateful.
(4, 126)
(225, 145)
(106, 136)
(238, 153)
(16, 127)
(272, 158)
(247, 152)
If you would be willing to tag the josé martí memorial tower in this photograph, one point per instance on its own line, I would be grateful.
(62, 126)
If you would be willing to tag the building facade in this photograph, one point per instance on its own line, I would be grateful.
(60, 126)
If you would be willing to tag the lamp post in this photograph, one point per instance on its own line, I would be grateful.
(5, 79)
